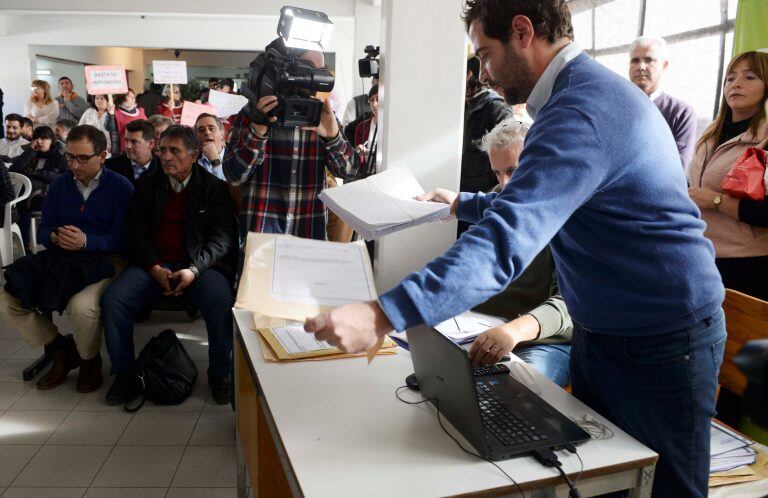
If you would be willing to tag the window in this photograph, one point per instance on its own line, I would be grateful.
(663, 17)
(616, 23)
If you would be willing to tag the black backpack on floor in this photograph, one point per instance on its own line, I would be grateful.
(166, 371)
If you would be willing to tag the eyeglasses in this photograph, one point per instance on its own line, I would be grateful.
(81, 159)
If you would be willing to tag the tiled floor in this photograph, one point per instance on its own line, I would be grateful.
(60, 443)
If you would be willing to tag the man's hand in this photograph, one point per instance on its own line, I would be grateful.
(353, 328)
(54, 237)
(184, 277)
(209, 151)
(71, 238)
(161, 274)
(703, 197)
(441, 195)
(328, 127)
(265, 105)
(493, 344)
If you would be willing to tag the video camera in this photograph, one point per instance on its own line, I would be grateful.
(369, 65)
(279, 71)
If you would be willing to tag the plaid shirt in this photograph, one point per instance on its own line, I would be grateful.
(282, 174)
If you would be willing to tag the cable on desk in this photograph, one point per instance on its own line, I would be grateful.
(440, 421)
(591, 426)
(547, 458)
(571, 448)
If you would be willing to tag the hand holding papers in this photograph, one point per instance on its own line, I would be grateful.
(382, 204)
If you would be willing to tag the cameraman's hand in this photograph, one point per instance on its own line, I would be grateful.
(328, 127)
(265, 105)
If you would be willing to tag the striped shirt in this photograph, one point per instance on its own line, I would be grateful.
(282, 174)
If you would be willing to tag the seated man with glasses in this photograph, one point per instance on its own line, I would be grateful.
(82, 226)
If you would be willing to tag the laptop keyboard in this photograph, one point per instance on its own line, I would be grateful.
(499, 420)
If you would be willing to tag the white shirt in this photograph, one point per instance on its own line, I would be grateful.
(543, 89)
(655, 95)
(12, 148)
(86, 191)
(178, 186)
(216, 171)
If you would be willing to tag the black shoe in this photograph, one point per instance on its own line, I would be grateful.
(221, 389)
(125, 388)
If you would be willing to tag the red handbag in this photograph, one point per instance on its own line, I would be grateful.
(745, 179)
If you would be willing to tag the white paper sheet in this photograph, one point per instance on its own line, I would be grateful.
(226, 104)
(294, 340)
(319, 273)
(467, 326)
(723, 440)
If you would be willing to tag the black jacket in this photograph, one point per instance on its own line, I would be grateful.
(55, 164)
(482, 114)
(121, 164)
(211, 224)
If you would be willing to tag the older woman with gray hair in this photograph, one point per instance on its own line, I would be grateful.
(540, 328)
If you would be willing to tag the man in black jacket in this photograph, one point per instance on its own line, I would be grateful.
(137, 159)
(180, 240)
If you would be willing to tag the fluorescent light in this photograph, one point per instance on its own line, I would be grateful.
(43, 72)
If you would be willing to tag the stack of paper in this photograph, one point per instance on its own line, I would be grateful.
(382, 204)
(728, 449)
(464, 328)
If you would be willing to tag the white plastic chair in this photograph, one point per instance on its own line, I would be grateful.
(23, 187)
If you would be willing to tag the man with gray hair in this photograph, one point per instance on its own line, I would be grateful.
(540, 328)
(647, 64)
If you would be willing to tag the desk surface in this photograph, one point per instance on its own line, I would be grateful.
(346, 434)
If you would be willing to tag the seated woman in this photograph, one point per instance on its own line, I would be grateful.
(124, 111)
(540, 328)
(735, 226)
(42, 163)
(41, 108)
(98, 116)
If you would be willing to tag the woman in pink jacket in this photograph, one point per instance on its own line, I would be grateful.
(736, 227)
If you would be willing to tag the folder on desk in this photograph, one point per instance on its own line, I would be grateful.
(292, 343)
(383, 203)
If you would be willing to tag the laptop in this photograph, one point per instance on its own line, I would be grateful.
(498, 415)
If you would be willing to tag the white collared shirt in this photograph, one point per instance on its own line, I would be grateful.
(86, 190)
(655, 95)
(139, 170)
(178, 186)
(217, 171)
(543, 89)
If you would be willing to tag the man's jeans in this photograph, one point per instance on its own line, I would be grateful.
(661, 390)
(136, 289)
(550, 360)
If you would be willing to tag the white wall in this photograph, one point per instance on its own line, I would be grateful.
(367, 32)
(421, 108)
(19, 32)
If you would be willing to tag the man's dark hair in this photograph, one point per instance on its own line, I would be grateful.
(90, 133)
(226, 81)
(14, 117)
(144, 126)
(213, 80)
(43, 132)
(25, 121)
(65, 78)
(67, 124)
(209, 115)
(473, 64)
(551, 19)
(373, 91)
(184, 133)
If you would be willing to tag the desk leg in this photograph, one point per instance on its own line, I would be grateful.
(246, 417)
(644, 487)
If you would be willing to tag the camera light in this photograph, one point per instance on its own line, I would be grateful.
(303, 28)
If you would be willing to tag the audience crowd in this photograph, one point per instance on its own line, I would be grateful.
(133, 206)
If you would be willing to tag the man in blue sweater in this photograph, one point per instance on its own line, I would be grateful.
(83, 214)
(599, 179)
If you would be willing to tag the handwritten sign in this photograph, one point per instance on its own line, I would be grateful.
(105, 80)
(226, 104)
(170, 72)
(191, 111)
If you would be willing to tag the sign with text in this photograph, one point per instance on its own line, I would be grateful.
(170, 72)
(105, 80)
(191, 111)
(226, 104)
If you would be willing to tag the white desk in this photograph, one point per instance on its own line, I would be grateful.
(339, 431)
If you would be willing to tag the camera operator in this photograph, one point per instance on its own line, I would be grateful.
(282, 169)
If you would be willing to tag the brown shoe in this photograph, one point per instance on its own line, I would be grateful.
(65, 358)
(89, 378)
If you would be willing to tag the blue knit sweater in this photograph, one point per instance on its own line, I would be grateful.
(599, 177)
(101, 217)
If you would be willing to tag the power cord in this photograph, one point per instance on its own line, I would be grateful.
(592, 426)
(440, 421)
(547, 458)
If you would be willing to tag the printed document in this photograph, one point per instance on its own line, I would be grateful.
(295, 340)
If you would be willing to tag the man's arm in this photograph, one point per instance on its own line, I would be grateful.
(221, 234)
(112, 241)
(685, 135)
(245, 151)
(49, 220)
(138, 248)
(76, 106)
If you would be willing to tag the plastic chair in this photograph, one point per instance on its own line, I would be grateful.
(23, 187)
(33, 222)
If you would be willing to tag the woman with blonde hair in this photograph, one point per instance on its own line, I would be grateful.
(41, 108)
(736, 227)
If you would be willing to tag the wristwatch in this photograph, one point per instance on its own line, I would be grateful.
(717, 201)
(216, 162)
(194, 271)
